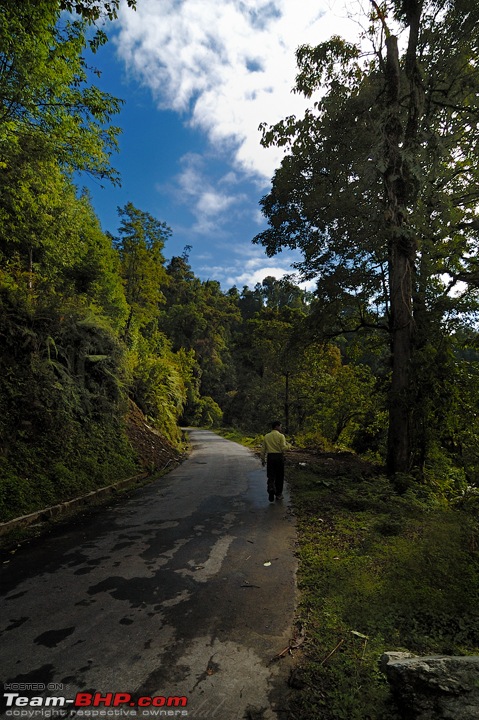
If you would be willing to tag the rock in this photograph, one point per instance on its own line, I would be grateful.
(437, 687)
(394, 656)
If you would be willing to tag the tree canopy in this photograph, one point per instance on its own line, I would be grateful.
(378, 189)
(48, 107)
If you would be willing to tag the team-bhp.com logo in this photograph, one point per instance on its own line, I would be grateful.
(94, 705)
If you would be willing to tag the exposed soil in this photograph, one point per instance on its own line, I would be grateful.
(330, 464)
(154, 451)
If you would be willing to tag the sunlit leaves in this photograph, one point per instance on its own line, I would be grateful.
(326, 63)
(44, 90)
(92, 10)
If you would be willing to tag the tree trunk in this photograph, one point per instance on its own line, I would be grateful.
(401, 262)
(286, 403)
(401, 188)
(399, 438)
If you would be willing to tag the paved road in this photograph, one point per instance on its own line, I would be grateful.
(184, 589)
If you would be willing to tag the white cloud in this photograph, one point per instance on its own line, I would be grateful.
(243, 264)
(227, 66)
(247, 265)
(252, 278)
(211, 203)
(207, 201)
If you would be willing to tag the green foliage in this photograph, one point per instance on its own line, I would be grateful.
(378, 572)
(39, 212)
(78, 316)
(235, 435)
(158, 383)
(89, 320)
(314, 441)
(337, 398)
(61, 407)
(377, 190)
(45, 99)
(205, 412)
(140, 246)
(93, 10)
(283, 371)
(199, 317)
(37, 477)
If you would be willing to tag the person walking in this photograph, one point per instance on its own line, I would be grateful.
(272, 455)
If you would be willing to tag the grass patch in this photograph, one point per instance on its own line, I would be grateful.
(237, 436)
(377, 572)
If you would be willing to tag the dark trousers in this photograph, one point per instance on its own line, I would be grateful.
(275, 472)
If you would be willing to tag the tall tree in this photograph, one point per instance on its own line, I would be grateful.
(140, 242)
(199, 316)
(51, 243)
(379, 185)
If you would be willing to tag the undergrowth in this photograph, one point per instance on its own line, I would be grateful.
(377, 572)
(40, 476)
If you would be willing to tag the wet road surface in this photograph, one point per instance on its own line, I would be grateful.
(184, 589)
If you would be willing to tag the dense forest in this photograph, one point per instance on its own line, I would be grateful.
(378, 189)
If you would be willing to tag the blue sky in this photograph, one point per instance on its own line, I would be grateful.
(197, 78)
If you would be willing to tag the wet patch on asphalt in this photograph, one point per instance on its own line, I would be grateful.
(15, 623)
(52, 638)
